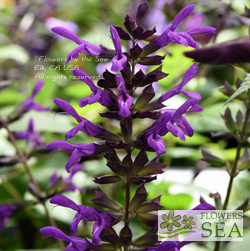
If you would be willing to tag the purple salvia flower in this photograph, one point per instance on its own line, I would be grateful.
(84, 124)
(180, 121)
(119, 60)
(30, 135)
(124, 100)
(98, 94)
(6, 210)
(29, 103)
(84, 46)
(171, 121)
(75, 243)
(71, 186)
(190, 73)
(77, 151)
(185, 38)
(54, 178)
(102, 220)
(153, 136)
(170, 36)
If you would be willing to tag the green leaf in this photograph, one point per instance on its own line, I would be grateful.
(44, 121)
(244, 86)
(14, 52)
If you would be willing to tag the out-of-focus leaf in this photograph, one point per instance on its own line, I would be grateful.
(14, 52)
(6, 148)
(4, 84)
(44, 121)
(170, 201)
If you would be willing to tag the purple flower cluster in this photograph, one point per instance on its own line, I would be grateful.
(116, 91)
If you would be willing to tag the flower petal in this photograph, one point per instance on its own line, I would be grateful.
(55, 233)
(185, 12)
(74, 224)
(83, 76)
(67, 34)
(60, 145)
(97, 229)
(65, 106)
(73, 159)
(157, 143)
(72, 132)
(202, 30)
(91, 99)
(63, 201)
(116, 40)
(39, 84)
(204, 206)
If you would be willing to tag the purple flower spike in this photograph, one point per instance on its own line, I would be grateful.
(190, 73)
(84, 46)
(75, 243)
(184, 38)
(30, 135)
(119, 60)
(124, 100)
(102, 220)
(77, 151)
(98, 94)
(29, 103)
(5, 212)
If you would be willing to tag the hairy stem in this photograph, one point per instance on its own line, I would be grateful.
(23, 160)
(233, 171)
